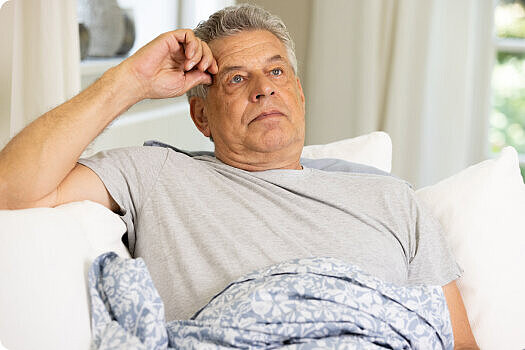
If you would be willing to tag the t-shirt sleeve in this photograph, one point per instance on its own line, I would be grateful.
(431, 261)
(129, 174)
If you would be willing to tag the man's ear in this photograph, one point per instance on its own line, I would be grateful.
(198, 117)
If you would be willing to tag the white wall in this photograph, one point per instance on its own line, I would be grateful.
(167, 121)
(6, 42)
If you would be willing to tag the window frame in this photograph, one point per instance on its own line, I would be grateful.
(509, 45)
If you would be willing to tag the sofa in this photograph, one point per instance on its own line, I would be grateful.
(45, 253)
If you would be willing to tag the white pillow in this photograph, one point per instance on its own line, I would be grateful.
(482, 209)
(374, 149)
(45, 254)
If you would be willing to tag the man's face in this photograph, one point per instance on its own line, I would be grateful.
(255, 108)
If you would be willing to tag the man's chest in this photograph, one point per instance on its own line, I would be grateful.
(210, 236)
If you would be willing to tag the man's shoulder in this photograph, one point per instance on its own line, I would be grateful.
(130, 153)
(333, 164)
(162, 145)
(366, 182)
(357, 169)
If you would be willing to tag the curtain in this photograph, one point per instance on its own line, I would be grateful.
(39, 60)
(419, 70)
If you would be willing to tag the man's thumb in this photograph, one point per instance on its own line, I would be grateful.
(197, 77)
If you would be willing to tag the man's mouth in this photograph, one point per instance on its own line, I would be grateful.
(268, 114)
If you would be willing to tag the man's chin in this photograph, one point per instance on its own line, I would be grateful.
(275, 143)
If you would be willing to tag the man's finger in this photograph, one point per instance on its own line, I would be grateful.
(207, 58)
(214, 69)
(196, 56)
(191, 44)
(185, 38)
(196, 77)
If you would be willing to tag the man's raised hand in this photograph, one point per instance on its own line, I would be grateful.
(166, 67)
(170, 65)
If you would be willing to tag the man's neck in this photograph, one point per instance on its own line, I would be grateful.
(261, 162)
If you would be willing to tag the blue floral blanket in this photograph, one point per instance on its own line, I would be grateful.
(314, 303)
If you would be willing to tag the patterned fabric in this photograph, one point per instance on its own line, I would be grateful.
(314, 303)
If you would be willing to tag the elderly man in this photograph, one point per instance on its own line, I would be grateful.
(201, 222)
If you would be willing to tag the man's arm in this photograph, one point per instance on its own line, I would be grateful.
(38, 167)
(463, 337)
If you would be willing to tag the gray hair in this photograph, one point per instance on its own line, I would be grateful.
(235, 19)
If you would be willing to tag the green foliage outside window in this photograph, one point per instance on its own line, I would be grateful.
(510, 19)
(507, 120)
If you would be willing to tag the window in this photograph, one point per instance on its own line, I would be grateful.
(507, 120)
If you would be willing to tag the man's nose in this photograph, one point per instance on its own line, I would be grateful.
(263, 87)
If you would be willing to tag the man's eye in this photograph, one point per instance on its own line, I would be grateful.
(277, 71)
(237, 79)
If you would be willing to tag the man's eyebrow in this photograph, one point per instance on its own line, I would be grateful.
(228, 69)
(275, 58)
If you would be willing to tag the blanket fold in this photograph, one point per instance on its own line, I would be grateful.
(313, 303)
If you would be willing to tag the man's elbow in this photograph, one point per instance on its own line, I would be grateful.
(466, 346)
(9, 200)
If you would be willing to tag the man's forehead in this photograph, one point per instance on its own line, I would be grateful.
(258, 46)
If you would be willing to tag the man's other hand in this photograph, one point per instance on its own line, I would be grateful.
(170, 65)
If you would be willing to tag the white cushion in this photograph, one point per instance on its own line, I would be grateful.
(482, 209)
(374, 149)
(45, 254)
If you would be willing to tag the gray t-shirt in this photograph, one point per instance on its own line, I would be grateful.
(199, 223)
